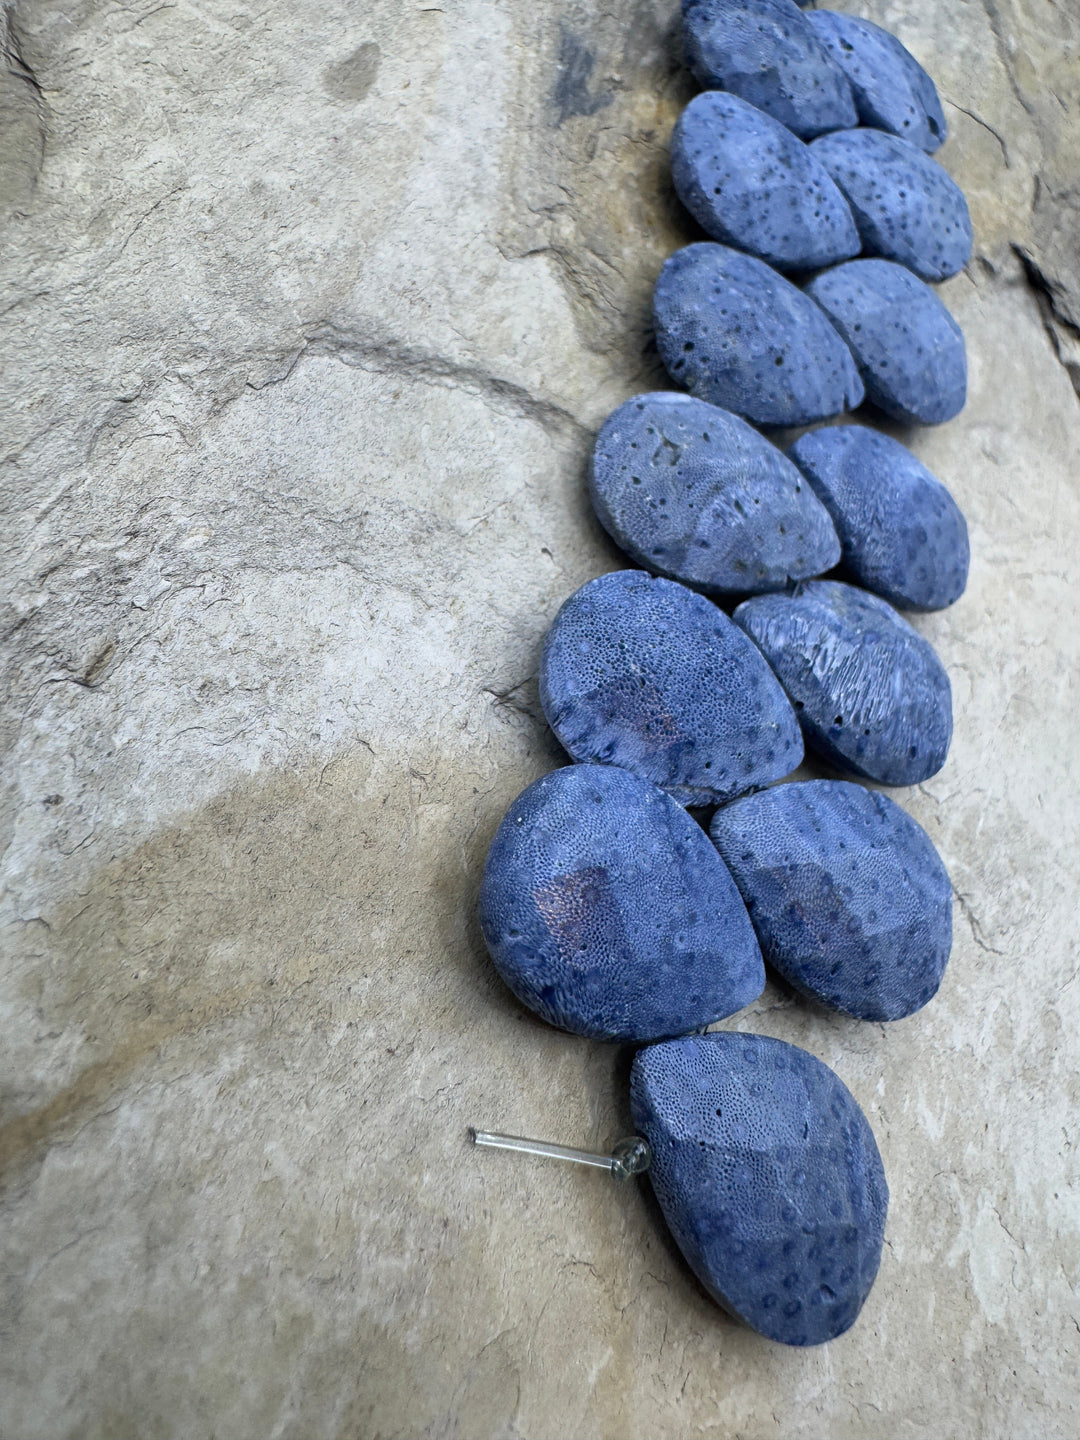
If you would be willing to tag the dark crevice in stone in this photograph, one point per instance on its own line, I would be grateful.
(11, 51)
(22, 122)
(1063, 332)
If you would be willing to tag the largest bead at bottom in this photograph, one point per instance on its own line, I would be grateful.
(768, 1176)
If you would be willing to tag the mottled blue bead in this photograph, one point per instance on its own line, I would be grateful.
(607, 911)
(907, 208)
(909, 349)
(739, 335)
(644, 674)
(752, 184)
(768, 1176)
(766, 52)
(903, 535)
(870, 693)
(848, 896)
(892, 90)
(695, 493)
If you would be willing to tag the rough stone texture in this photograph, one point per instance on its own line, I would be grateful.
(308, 347)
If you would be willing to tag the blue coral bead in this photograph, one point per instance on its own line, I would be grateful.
(892, 90)
(850, 901)
(752, 184)
(769, 1178)
(767, 53)
(907, 208)
(903, 535)
(607, 911)
(693, 492)
(871, 695)
(647, 675)
(738, 335)
(909, 349)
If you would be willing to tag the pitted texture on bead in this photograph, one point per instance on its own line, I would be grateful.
(903, 535)
(870, 693)
(739, 335)
(892, 90)
(766, 52)
(907, 208)
(608, 912)
(849, 898)
(909, 349)
(692, 491)
(752, 184)
(644, 674)
(769, 1177)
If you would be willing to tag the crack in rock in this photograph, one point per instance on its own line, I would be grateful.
(985, 125)
(387, 356)
(974, 923)
(22, 122)
(1063, 332)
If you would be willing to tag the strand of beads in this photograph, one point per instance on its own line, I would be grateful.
(604, 905)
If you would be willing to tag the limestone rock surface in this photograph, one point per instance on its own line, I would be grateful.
(311, 316)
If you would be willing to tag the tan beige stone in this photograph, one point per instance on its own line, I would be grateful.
(312, 315)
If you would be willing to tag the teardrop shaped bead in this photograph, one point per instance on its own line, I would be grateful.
(767, 52)
(847, 895)
(696, 494)
(870, 693)
(892, 90)
(752, 184)
(769, 1178)
(737, 334)
(644, 674)
(608, 912)
(909, 349)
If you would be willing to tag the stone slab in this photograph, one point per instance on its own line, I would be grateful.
(311, 317)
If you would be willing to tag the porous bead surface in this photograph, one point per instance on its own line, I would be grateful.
(906, 206)
(769, 1178)
(739, 335)
(870, 693)
(751, 183)
(645, 674)
(903, 535)
(909, 349)
(849, 898)
(766, 52)
(607, 911)
(695, 493)
(892, 90)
